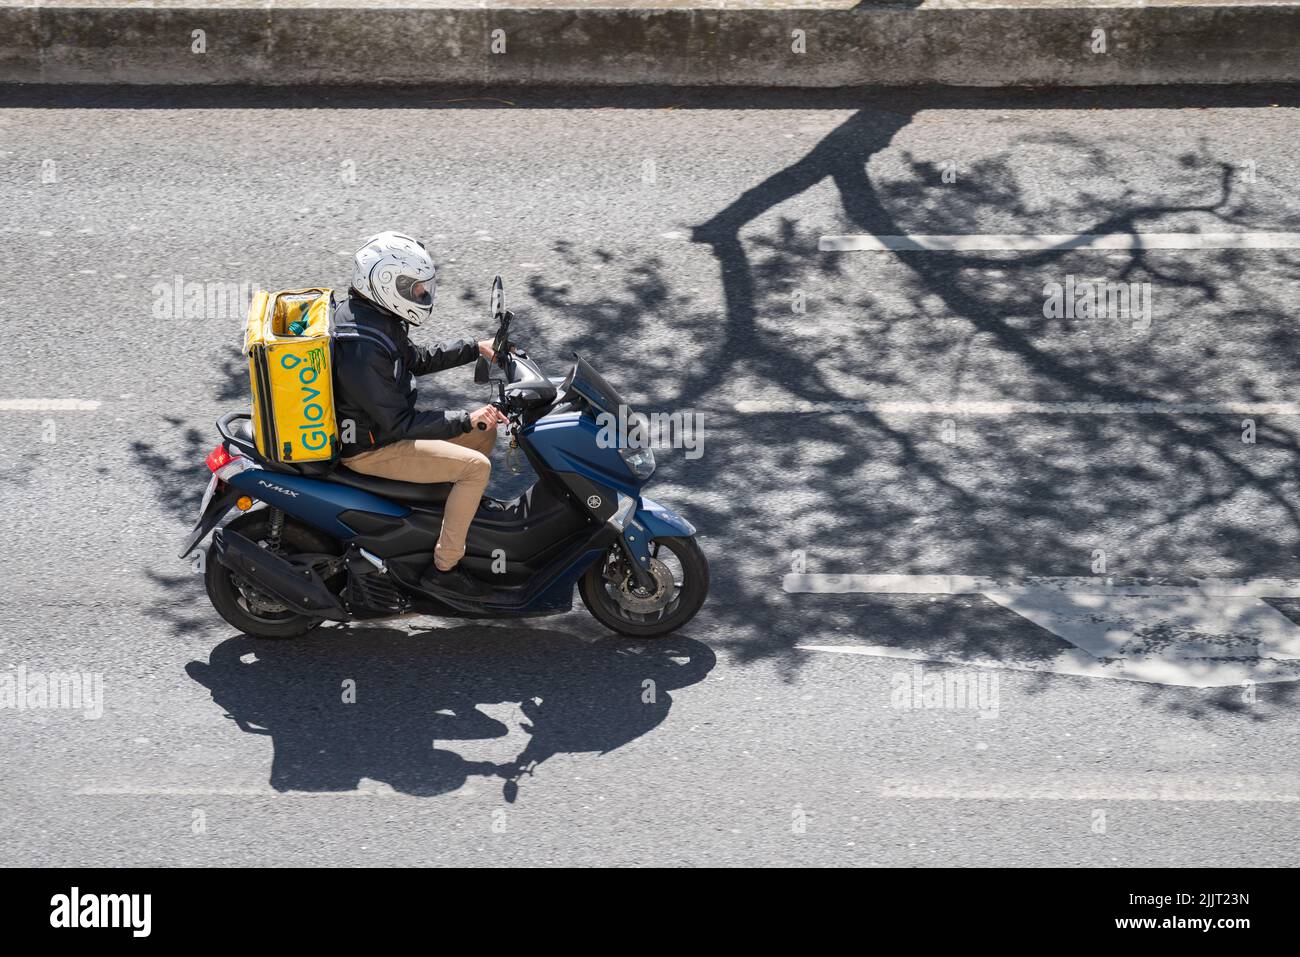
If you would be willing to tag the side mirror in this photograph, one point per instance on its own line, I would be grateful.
(482, 371)
(497, 300)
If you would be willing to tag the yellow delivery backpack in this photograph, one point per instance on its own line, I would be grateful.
(287, 342)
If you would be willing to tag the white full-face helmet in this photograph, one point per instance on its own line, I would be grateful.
(396, 271)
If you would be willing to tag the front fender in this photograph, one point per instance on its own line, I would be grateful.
(662, 522)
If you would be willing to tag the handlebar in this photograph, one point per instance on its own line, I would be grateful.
(499, 403)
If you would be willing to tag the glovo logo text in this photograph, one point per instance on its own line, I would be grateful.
(315, 434)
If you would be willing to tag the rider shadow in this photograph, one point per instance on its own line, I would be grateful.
(415, 693)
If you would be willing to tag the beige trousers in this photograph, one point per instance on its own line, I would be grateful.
(463, 460)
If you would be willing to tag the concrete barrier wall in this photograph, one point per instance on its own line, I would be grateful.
(976, 45)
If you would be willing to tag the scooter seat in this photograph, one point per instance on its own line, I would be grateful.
(424, 493)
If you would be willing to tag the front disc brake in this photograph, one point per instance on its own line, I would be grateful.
(647, 603)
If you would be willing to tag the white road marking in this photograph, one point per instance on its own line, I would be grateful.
(971, 408)
(49, 405)
(1250, 789)
(1281, 789)
(1044, 242)
(371, 791)
(1069, 788)
(1183, 673)
(1211, 633)
(978, 585)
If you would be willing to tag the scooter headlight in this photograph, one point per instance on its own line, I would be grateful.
(641, 462)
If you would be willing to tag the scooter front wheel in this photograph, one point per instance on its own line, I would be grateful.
(681, 574)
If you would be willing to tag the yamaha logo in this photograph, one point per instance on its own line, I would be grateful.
(593, 501)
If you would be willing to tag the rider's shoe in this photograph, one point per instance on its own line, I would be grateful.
(456, 582)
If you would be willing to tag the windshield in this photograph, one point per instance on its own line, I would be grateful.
(589, 384)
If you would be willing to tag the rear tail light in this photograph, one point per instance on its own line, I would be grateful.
(224, 465)
(217, 458)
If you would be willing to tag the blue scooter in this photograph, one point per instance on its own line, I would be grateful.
(338, 545)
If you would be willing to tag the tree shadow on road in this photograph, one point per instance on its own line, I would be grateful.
(861, 492)
(418, 694)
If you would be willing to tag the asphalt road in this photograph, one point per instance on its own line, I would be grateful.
(670, 238)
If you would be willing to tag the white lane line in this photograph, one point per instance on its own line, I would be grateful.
(49, 405)
(977, 585)
(1043, 242)
(1175, 669)
(1082, 788)
(367, 792)
(965, 408)
(1247, 789)
(1206, 634)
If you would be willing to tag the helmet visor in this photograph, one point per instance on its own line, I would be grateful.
(418, 291)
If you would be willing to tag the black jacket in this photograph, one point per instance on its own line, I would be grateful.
(376, 390)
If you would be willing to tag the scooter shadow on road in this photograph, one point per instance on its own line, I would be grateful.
(415, 692)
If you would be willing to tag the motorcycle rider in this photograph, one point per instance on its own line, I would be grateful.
(393, 282)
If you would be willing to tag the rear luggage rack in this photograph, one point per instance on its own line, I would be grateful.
(228, 427)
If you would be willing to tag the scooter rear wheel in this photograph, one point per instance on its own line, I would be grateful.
(617, 607)
(239, 604)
